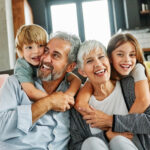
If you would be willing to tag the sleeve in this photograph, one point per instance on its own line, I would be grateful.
(23, 71)
(80, 131)
(134, 123)
(138, 73)
(15, 110)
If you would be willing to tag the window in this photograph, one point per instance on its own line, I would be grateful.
(64, 18)
(89, 19)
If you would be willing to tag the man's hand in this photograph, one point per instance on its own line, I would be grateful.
(60, 101)
(96, 118)
(110, 135)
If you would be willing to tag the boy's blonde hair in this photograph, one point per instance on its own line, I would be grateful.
(120, 39)
(28, 34)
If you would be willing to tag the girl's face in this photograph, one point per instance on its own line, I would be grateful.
(123, 58)
(32, 53)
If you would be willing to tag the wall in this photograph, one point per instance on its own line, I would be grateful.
(6, 36)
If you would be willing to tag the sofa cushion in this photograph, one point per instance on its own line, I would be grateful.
(3, 77)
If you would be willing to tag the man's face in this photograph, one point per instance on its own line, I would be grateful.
(54, 61)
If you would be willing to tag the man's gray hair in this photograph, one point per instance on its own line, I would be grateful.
(86, 48)
(74, 41)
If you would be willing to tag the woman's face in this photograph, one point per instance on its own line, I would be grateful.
(96, 66)
(123, 58)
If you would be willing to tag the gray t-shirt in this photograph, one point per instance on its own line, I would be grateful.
(24, 71)
(138, 73)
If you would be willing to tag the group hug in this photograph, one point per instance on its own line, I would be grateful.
(45, 106)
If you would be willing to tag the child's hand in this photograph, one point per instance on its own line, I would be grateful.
(81, 107)
(110, 135)
(70, 95)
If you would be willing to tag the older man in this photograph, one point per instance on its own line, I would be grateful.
(45, 123)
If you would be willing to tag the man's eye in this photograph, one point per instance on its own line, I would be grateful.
(55, 55)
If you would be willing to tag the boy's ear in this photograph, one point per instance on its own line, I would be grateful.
(70, 67)
(81, 72)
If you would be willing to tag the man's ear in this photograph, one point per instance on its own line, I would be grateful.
(70, 67)
(82, 73)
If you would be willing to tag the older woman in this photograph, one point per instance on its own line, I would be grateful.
(98, 130)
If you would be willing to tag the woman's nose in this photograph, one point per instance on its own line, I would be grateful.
(97, 63)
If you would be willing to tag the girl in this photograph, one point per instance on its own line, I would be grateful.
(126, 58)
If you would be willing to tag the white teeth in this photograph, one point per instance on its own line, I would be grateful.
(125, 66)
(47, 67)
(100, 71)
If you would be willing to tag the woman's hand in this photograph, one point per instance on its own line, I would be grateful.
(110, 135)
(96, 118)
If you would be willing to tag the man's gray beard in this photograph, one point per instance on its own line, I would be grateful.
(50, 77)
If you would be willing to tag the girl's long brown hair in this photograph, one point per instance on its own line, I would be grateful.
(120, 39)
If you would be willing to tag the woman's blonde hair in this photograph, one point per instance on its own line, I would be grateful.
(28, 34)
(120, 39)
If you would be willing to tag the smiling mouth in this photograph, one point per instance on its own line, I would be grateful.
(47, 67)
(100, 72)
(125, 66)
(36, 58)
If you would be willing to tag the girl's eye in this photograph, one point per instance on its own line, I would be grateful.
(119, 54)
(132, 55)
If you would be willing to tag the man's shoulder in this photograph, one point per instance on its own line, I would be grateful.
(12, 80)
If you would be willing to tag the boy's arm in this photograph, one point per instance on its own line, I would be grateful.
(75, 83)
(32, 92)
(83, 97)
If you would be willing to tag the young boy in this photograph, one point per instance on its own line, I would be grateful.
(30, 43)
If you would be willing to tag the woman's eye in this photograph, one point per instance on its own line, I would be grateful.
(88, 61)
(100, 57)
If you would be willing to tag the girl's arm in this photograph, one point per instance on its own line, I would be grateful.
(75, 83)
(83, 97)
(32, 92)
(142, 94)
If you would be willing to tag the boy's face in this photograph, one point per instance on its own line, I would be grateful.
(32, 53)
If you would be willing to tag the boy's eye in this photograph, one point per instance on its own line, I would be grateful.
(29, 47)
(41, 45)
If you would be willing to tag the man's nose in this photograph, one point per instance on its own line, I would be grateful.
(47, 58)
